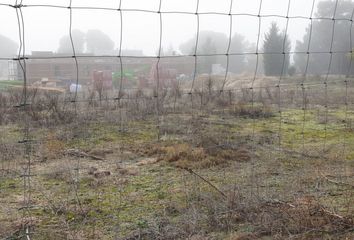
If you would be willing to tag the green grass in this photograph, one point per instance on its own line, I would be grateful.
(100, 134)
(143, 200)
(5, 84)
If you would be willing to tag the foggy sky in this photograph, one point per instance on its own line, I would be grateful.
(44, 26)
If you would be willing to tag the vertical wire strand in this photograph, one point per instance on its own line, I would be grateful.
(228, 47)
(75, 102)
(158, 113)
(283, 73)
(327, 76)
(74, 52)
(120, 108)
(195, 55)
(26, 175)
(157, 94)
(346, 100)
(303, 88)
(120, 93)
(253, 175)
(284, 70)
(120, 52)
(346, 170)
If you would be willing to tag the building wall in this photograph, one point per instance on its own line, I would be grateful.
(64, 69)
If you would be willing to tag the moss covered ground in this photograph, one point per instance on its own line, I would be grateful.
(197, 181)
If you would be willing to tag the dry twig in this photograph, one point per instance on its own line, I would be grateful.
(205, 180)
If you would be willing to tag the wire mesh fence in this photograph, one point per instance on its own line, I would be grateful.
(118, 145)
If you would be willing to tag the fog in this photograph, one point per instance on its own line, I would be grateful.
(45, 25)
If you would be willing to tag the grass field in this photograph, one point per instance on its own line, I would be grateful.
(5, 84)
(210, 176)
(214, 166)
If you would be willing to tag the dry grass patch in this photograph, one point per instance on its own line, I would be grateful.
(183, 155)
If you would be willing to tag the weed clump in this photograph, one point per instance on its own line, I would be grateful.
(186, 156)
(249, 111)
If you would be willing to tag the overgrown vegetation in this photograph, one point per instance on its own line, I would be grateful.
(231, 169)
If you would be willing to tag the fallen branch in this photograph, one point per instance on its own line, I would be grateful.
(27, 234)
(205, 180)
(294, 153)
(337, 182)
(81, 154)
(348, 222)
(335, 215)
(277, 201)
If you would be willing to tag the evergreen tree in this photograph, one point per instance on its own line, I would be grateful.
(274, 62)
(318, 40)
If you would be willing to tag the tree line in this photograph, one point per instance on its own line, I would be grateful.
(94, 41)
(324, 48)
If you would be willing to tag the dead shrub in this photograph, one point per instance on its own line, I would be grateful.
(249, 111)
(244, 236)
(303, 215)
(52, 147)
(189, 157)
(58, 172)
(183, 155)
(101, 174)
(304, 218)
(9, 152)
(128, 172)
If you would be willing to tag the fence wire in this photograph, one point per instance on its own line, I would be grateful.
(207, 155)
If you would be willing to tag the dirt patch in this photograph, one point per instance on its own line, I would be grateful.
(147, 161)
